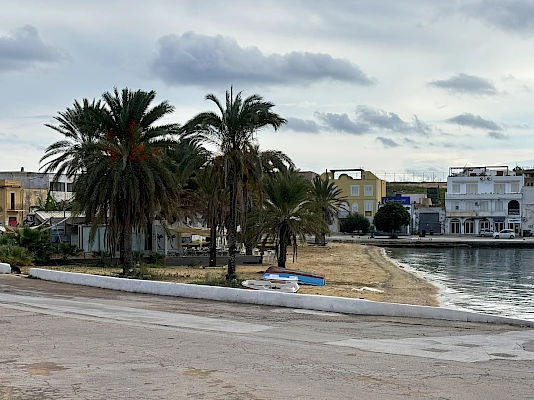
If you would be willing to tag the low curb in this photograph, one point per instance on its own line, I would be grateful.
(303, 301)
(5, 268)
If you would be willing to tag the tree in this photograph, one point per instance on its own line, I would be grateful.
(257, 164)
(355, 222)
(328, 199)
(288, 211)
(233, 130)
(123, 175)
(391, 217)
(80, 126)
(214, 198)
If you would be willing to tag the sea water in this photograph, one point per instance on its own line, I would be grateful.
(488, 280)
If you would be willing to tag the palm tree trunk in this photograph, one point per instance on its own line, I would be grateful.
(213, 244)
(232, 229)
(282, 248)
(126, 249)
(121, 248)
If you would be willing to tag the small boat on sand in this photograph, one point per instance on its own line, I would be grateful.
(286, 287)
(305, 278)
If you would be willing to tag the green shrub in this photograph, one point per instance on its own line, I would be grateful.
(101, 255)
(355, 223)
(16, 255)
(157, 258)
(66, 250)
(37, 241)
(137, 256)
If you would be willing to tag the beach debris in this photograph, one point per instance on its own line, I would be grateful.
(286, 287)
(368, 289)
(305, 278)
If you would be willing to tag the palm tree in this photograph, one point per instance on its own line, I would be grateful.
(214, 197)
(289, 211)
(233, 130)
(80, 127)
(256, 165)
(125, 177)
(329, 200)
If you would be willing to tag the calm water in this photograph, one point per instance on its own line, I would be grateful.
(492, 281)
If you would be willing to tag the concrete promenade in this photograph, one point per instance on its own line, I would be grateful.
(434, 241)
(63, 341)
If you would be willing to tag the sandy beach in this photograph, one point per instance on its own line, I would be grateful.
(349, 268)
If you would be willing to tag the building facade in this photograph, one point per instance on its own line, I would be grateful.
(20, 191)
(483, 198)
(362, 191)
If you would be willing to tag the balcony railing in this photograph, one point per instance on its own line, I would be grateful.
(15, 207)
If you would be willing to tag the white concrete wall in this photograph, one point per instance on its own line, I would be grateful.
(304, 301)
(5, 268)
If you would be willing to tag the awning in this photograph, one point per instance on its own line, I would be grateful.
(189, 230)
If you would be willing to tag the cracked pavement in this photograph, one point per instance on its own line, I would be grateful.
(70, 342)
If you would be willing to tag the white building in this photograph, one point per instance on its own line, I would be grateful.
(528, 209)
(483, 198)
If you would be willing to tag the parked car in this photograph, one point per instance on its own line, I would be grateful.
(486, 233)
(504, 234)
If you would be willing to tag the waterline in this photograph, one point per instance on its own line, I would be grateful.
(488, 280)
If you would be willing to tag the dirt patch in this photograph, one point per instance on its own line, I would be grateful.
(43, 368)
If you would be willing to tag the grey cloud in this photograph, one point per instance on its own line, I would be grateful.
(381, 119)
(302, 125)
(204, 60)
(466, 84)
(449, 145)
(516, 126)
(474, 121)
(512, 15)
(366, 120)
(23, 49)
(497, 135)
(341, 122)
(411, 142)
(387, 142)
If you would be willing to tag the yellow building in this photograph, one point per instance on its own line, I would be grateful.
(362, 190)
(10, 202)
(15, 201)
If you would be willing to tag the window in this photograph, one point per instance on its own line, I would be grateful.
(12, 201)
(455, 205)
(499, 206)
(455, 227)
(484, 205)
(455, 188)
(514, 187)
(57, 186)
(355, 207)
(354, 190)
(498, 188)
(469, 226)
(70, 187)
(343, 210)
(470, 205)
(368, 205)
(471, 188)
(368, 190)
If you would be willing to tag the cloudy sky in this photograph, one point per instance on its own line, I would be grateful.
(387, 85)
